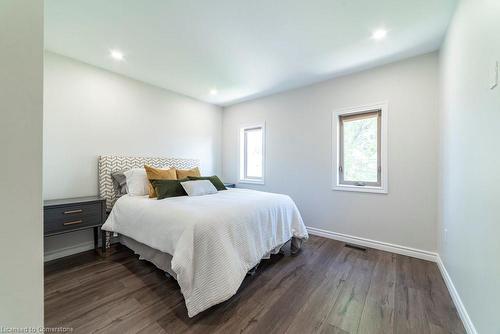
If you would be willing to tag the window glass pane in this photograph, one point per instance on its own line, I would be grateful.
(254, 152)
(360, 149)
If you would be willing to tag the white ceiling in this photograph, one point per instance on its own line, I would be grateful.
(244, 49)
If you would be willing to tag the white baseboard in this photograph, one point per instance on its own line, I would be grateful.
(459, 305)
(62, 252)
(398, 249)
(75, 249)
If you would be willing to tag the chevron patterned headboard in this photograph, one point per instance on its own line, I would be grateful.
(109, 164)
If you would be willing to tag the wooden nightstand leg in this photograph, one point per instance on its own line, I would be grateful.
(96, 238)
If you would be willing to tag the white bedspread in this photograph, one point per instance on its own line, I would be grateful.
(214, 239)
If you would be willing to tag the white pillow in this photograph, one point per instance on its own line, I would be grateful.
(137, 181)
(199, 187)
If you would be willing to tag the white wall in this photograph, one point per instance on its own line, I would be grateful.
(299, 151)
(89, 112)
(470, 162)
(21, 94)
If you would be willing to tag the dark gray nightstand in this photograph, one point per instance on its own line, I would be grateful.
(75, 214)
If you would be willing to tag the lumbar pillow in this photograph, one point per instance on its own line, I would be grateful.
(199, 188)
(158, 174)
(137, 181)
(218, 184)
(168, 188)
(184, 173)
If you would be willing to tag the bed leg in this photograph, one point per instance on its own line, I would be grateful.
(252, 271)
(105, 242)
(295, 245)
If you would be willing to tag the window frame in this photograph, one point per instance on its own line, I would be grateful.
(338, 183)
(242, 168)
(350, 117)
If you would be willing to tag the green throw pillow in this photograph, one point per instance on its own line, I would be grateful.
(214, 179)
(169, 188)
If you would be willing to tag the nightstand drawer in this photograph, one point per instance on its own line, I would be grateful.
(57, 219)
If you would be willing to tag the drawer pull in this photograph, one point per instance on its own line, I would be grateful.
(73, 211)
(73, 223)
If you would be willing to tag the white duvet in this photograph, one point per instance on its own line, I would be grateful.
(213, 239)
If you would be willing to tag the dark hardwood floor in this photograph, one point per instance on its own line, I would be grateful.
(327, 288)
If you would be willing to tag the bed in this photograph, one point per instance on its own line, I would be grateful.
(207, 243)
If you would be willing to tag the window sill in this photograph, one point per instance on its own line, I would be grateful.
(362, 189)
(251, 181)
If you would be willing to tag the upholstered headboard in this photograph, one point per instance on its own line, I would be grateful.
(109, 164)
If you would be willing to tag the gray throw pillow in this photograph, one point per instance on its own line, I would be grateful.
(119, 183)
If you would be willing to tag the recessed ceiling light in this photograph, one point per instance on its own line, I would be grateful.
(379, 34)
(116, 54)
(213, 91)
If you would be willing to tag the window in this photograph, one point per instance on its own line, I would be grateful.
(252, 147)
(360, 143)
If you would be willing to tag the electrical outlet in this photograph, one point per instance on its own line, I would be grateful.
(494, 81)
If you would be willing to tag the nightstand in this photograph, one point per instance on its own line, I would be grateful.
(230, 185)
(74, 214)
